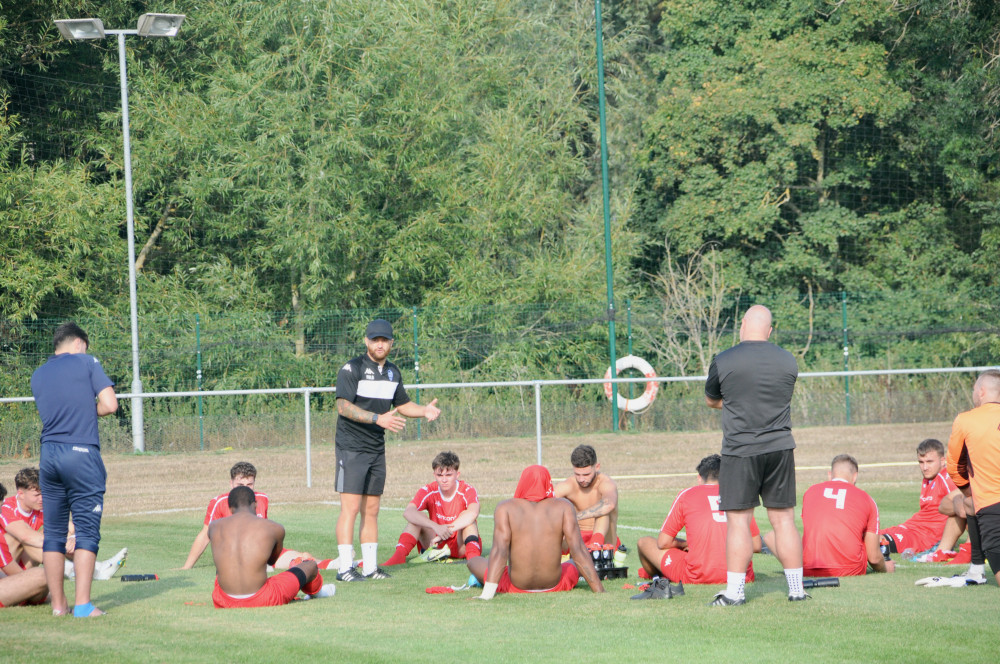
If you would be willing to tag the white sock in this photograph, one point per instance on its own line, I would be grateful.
(794, 579)
(368, 557)
(68, 570)
(976, 570)
(346, 552)
(734, 584)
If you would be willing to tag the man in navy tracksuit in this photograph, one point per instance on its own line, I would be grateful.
(72, 472)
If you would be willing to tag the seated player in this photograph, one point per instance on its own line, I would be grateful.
(701, 557)
(241, 474)
(21, 537)
(452, 508)
(935, 523)
(840, 525)
(243, 545)
(26, 587)
(595, 497)
(528, 531)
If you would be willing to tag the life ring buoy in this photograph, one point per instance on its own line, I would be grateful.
(652, 387)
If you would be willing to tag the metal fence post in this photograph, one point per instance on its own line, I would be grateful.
(538, 419)
(308, 425)
(416, 366)
(201, 412)
(847, 379)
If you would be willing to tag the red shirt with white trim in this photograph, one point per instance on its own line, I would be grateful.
(445, 510)
(10, 512)
(835, 517)
(218, 507)
(696, 511)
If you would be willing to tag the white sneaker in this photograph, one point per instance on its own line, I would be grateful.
(106, 569)
(972, 579)
(69, 571)
(328, 590)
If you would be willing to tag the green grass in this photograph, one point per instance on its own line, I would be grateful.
(874, 618)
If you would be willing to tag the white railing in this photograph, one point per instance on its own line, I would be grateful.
(536, 385)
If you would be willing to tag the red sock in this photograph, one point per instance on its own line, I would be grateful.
(313, 586)
(403, 548)
(325, 564)
(597, 538)
(473, 549)
(643, 574)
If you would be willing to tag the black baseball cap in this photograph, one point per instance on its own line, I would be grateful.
(378, 328)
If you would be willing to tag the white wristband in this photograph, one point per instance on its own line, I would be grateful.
(489, 590)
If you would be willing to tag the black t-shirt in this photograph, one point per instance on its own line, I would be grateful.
(361, 382)
(755, 380)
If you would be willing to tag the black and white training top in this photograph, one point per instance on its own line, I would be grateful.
(361, 382)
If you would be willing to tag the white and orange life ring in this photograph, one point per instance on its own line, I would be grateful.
(652, 387)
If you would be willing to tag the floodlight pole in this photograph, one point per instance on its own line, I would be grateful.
(138, 432)
(150, 25)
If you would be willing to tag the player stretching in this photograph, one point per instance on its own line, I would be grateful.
(452, 508)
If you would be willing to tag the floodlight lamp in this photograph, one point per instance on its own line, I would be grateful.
(81, 28)
(160, 25)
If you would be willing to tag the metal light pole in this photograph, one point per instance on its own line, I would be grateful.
(150, 25)
(607, 213)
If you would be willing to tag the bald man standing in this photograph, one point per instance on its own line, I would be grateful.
(752, 383)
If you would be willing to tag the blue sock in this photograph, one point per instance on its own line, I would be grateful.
(83, 610)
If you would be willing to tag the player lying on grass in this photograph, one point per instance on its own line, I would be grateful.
(242, 474)
(449, 529)
(840, 525)
(701, 556)
(595, 497)
(22, 536)
(243, 545)
(935, 523)
(528, 531)
(27, 587)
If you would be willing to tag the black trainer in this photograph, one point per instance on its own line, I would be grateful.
(722, 600)
(353, 574)
(379, 573)
(657, 589)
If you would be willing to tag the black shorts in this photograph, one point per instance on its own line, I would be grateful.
(770, 476)
(361, 473)
(989, 534)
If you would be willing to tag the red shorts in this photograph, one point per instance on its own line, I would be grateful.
(909, 538)
(567, 581)
(278, 590)
(674, 566)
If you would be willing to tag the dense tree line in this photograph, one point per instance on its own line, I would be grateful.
(304, 157)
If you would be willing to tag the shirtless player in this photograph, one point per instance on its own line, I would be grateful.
(243, 545)
(595, 496)
(528, 531)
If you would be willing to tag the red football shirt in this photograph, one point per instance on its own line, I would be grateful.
(928, 518)
(218, 507)
(442, 510)
(835, 517)
(696, 511)
(10, 512)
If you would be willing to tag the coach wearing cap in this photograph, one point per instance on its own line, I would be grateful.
(370, 399)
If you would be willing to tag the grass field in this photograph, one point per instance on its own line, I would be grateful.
(155, 505)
